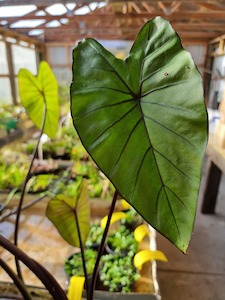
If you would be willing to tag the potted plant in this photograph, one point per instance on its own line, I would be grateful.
(118, 274)
(144, 122)
(94, 236)
(74, 265)
(132, 220)
(39, 97)
(143, 127)
(121, 241)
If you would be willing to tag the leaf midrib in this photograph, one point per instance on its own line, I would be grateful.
(151, 147)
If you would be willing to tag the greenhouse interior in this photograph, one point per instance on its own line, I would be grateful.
(112, 150)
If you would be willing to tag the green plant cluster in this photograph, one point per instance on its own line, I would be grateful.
(68, 187)
(95, 236)
(73, 265)
(118, 273)
(98, 185)
(57, 148)
(40, 183)
(132, 220)
(70, 148)
(121, 241)
(4, 113)
(10, 115)
(11, 176)
(13, 169)
(66, 143)
(11, 111)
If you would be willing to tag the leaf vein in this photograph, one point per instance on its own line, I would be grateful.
(171, 163)
(105, 88)
(169, 106)
(114, 123)
(104, 106)
(163, 87)
(117, 74)
(175, 221)
(179, 200)
(175, 133)
(124, 146)
(139, 170)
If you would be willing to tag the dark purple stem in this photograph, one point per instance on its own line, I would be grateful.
(101, 248)
(46, 278)
(16, 232)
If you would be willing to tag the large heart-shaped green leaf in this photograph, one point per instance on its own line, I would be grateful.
(144, 122)
(38, 92)
(61, 212)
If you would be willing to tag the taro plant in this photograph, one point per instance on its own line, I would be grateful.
(147, 124)
(38, 95)
(144, 123)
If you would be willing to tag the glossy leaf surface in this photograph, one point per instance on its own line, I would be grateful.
(144, 122)
(38, 91)
(61, 212)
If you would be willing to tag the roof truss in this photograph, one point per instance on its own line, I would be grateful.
(195, 21)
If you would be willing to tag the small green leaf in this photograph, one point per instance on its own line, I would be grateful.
(144, 122)
(36, 92)
(61, 212)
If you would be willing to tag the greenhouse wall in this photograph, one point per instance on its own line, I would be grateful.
(20, 52)
(16, 51)
(60, 60)
(198, 53)
(59, 57)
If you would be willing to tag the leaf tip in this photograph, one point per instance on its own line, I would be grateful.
(183, 248)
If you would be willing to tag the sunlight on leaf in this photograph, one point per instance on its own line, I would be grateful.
(38, 91)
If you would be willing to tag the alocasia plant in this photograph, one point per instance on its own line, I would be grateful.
(39, 94)
(67, 213)
(144, 123)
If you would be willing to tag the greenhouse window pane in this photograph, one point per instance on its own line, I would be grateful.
(5, 91)
(24, 58)
(63, 75)
(3, 59)
(57, 55)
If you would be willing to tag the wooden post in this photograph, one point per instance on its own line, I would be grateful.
(11, 71)
(212, 183)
